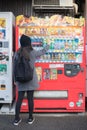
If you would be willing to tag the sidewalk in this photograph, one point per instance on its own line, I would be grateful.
(46, 122)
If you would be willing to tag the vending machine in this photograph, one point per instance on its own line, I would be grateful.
(7, 25)
(62, 70)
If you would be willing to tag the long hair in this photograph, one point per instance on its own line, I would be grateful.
(24, 51)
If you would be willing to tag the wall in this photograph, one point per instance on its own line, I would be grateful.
(24, 6)
(16, 6)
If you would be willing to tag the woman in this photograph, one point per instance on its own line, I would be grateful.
(30, 86)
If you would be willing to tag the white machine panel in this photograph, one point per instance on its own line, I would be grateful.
(7, 23)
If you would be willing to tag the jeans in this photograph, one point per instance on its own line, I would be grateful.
(19, 102)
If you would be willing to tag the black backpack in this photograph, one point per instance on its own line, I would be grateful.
(22, 70)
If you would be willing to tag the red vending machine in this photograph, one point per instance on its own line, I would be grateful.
(62, 70)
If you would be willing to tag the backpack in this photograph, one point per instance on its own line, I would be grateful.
(22, 70)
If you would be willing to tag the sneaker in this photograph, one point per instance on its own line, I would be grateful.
(31, 120)
(16, 122)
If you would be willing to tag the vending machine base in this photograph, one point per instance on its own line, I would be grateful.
(72, 101)
(42, 107)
